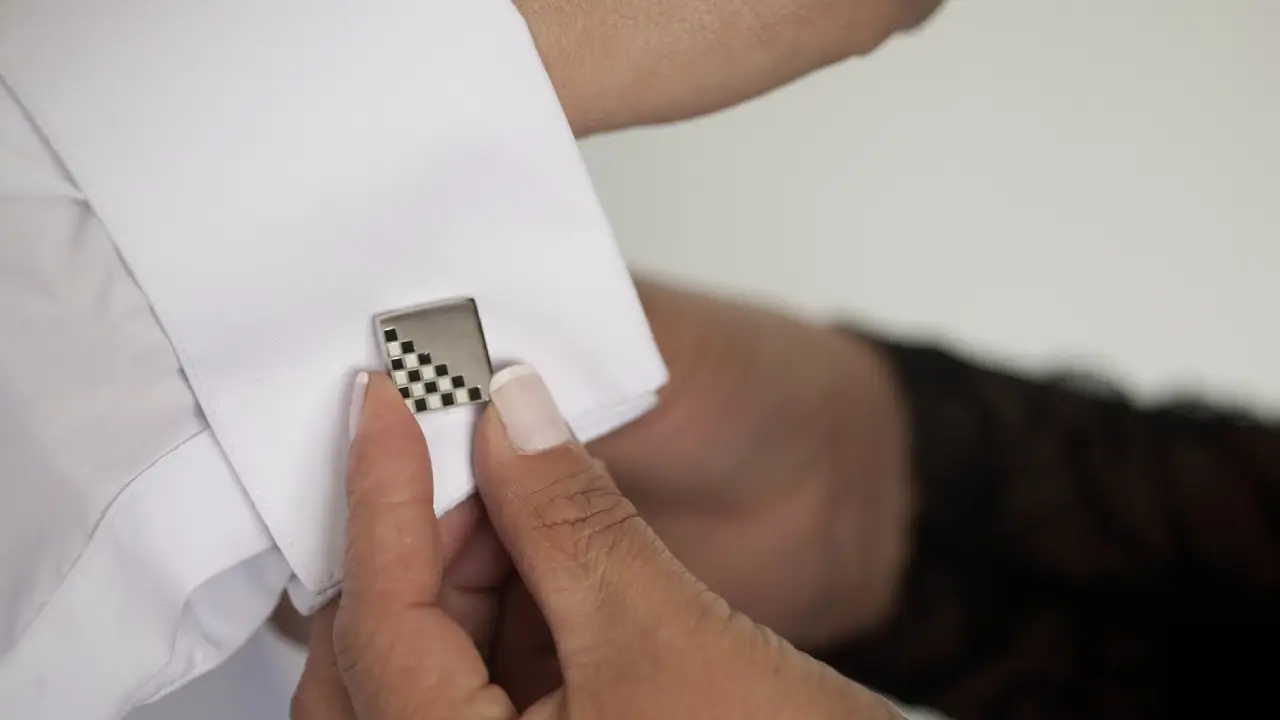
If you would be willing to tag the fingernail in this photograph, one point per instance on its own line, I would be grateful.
(357, 404)
(527, 411)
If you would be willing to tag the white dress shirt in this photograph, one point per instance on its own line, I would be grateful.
(202, 208)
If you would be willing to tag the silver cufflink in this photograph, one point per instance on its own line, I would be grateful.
(437, 354)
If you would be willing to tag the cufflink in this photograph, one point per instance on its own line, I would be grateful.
(437, 354)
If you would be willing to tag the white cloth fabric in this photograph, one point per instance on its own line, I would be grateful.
(256, 683)
(202, 208)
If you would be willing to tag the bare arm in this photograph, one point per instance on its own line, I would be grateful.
(619, 63)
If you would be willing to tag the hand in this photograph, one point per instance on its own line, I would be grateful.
(775, 465)
(618, 63)
(634, 634)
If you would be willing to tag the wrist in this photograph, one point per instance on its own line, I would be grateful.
(858, 518)
(874, 505)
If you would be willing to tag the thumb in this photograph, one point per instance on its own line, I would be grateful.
(597, 571)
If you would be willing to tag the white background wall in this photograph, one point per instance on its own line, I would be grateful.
(1045, 180)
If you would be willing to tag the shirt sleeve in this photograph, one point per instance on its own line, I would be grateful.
(277, 174)
(1076, 554)
(130, 557)
(232, 194)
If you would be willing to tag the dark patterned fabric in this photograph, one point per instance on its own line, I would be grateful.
(1078, 556)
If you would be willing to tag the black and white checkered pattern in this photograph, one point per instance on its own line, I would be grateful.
(424, 384)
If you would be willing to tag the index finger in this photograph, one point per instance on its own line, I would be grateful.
(398, 651)
(393, 540)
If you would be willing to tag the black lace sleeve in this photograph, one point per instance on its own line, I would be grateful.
(1078, 556)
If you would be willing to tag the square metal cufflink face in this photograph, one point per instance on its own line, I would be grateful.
(437, 354)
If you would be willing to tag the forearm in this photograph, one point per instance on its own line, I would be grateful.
(619, 63)
(1072, 548)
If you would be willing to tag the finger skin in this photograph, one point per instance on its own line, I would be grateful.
(321, 693)
(599, 574)
(399, 653)
(524, 659)
(636, 636)
(391, 522)
(471, 590)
